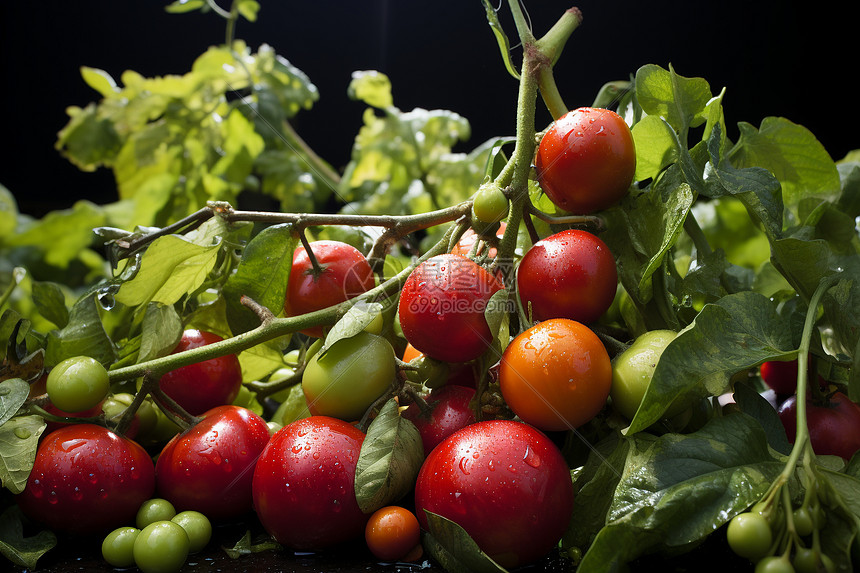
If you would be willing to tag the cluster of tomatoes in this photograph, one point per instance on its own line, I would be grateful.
(486, 421)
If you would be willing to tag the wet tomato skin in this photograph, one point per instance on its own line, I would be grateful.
(505, 483)
(87, 479)
(204, 385)
(449, 411)
(209, 467)
(303, 486)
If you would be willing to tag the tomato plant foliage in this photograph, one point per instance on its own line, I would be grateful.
(746, 250)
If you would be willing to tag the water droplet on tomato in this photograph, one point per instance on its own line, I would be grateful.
(464, 466)
(531, 458)
(70, 445)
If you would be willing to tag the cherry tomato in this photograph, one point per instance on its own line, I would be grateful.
(304, 484)
(556, 375)
(834, 427)
(392, 532)
(345, 380)
(808, 560)
(202, 386)
(161, 547)
(781, 376)
(345, 274)
(586, 160)
(449, 411)
(197, 526)
(633, 369)
(77, 383)
(209, 468)
(87, 479)
(505, 483)
(774, 564)
(118, 546)
(490, 204)
(442, 306)
(145, 418)
(152, 510)
(570, 274)
(749, 535)
(464, 245)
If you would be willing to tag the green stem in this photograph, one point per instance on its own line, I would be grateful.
(270, 328)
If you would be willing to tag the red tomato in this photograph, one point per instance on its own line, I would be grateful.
(392, 532)
(556, 375)
(781, 376)
(202, 386)
(345, 274)
(834, 428)
(570, 274)
(87, 479)
(505, 483)
(586, 161)
(303, 485)
(209, 467)
(464, 245)
(449, 411)
(442, 307)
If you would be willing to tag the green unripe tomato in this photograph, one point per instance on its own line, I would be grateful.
(153, 510)
(803, 522)
(749, 535)
(490, 204)
(808, 560)
(198, 528)
(349, 376)
(161, 547)
(774, 564)
(376, 325)
(77, 384)
(118, 546)
(633, 369)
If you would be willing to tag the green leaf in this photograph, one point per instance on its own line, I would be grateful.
(677, 489)
(100, 81)
(19, 439)
(390, 457)
(262, 275)
(182, 6)
(452, 546)
(160, 331)
(735, 333)
(13, 393)
(171, 268)
(655, 147)
(680, 101)
(756, 406)
(248, 9)
(84, 335)
(355, 320)
(20, 550)
(371, 87)
(88, 140)
(793, 154)
(501, 38)
(50, 300)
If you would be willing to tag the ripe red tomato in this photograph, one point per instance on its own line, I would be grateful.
(442, 307)
(505, 483)
(586, 161)
(449, 411)
(87, 479)
(345, 274)
(781, 376)
(209, 467)
(834, 427)
(202, 386)
(392, 532)
(570, 274)
(464, 245)
(556, 375)
(303, 487)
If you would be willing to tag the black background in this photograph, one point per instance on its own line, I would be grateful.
(774, 58)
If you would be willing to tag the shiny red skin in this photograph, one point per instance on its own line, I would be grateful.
(209, 467)
(87, 479)
(442, 307)
(204, 385)
(586, 161)
(303, 485)
(834, 428)
(464, 245)
(570, 274)
(781, 376)
(346, 274)
(505, 483)
(449, 412)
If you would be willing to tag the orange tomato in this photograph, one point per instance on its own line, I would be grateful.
(556, 375)
(392, 533)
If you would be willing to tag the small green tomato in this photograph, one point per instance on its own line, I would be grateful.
(161, 547)
(152, 510)
(77, 384)
(118, 546)
(198, 528)
(633, 369)
(749, 535)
